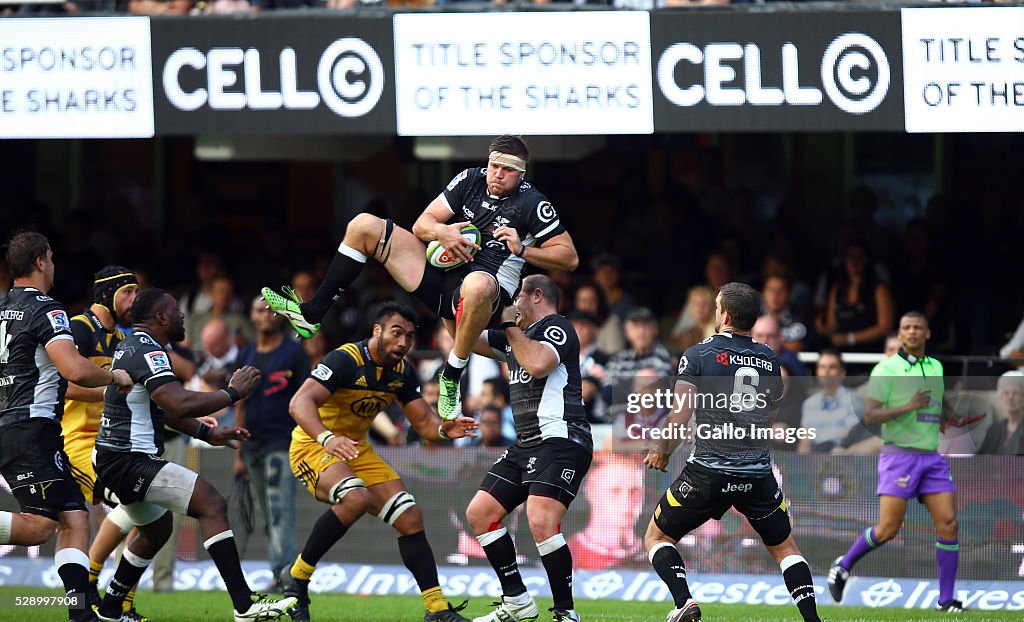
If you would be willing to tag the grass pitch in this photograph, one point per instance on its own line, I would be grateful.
(194, 606)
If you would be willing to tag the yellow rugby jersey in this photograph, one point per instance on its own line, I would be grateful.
(81, 420)
(360, 389)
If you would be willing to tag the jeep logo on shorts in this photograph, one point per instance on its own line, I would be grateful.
(730, 487)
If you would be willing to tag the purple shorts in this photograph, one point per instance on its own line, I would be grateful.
(912, 475)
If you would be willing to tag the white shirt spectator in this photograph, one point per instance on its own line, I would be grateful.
(832, 418)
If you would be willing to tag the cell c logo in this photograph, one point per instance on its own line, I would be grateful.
(555, 335)
(846, 67)
(350, 77)
(545, 211)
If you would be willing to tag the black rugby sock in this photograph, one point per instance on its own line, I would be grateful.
(670, 567)
(557, 559)
(501, 552)
(224, 553)
(327, 530)
(797, 574)
(344, 269)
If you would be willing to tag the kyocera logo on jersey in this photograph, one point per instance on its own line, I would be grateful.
(349, 79)
(855, 75)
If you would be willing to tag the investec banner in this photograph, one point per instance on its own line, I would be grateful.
(965, 69)
(777, 71)
(479, 582)
(75, 78)
(530, 73)
(289, 74)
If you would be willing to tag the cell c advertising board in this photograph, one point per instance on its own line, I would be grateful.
(777, 71)
(276, 75)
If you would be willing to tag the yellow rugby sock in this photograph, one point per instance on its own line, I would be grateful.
(434, 600)
(301, 570)
(129, 601)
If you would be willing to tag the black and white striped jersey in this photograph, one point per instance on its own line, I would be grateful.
(552, 406)
(525, 209)
(134, 422)
(30, 385)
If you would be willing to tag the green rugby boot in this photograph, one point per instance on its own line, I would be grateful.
(287, 306)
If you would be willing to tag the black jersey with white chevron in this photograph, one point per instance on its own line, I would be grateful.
(525, 209)
(30, 385)
(134, 422)
(552, 406)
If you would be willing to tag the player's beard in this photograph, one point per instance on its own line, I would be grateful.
(177, 332)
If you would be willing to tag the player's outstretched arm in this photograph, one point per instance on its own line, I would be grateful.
(206, 430)
(81, 371)
(178, 402)
(428, 424)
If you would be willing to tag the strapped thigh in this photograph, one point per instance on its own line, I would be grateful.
(382, 251)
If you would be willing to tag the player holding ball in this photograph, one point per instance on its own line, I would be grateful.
(516, 225)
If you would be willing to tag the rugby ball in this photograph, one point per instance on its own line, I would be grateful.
(439, 257)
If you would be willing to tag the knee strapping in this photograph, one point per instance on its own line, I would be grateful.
(345, 486)
(395, 506)
(119, 516)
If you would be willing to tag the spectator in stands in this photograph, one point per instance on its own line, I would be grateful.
(793, 328)
(304, 284)
(592, 364)
(494, 393)
(645, 351)
(263, 459)
(222, 292)
(159, 7)
(718, 270)
(222, 7)
(490, 428)
(1006, 437)
(608, 276)
(834, 412)
(919, 280)
(892, 344)
(696, 322)
(218, 351)
(208, 268)
(643, 415)
(766, 330)
(589, 298)
(860, 307)
(779, 262)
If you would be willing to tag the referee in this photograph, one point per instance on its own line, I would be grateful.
(905, 395)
